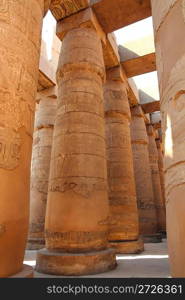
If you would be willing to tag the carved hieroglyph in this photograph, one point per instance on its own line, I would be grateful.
(170, 38)
(153, 158)
(78, 179)
(124, 225)
(64, 8)
(77, 207)
(41, 154)
(20, 28)
(146, 205)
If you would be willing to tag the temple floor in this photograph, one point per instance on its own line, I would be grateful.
(153, 262)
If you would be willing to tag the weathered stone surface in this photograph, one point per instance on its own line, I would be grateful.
(20, 27)
(139, 65)
(122, 194)
(119, 13)
(41, 154)
(128, 247)
(46, 6)
(77, 207)
(64, 8)
(153, 158)
(161, 168)
(151, 107)
(146, 205)
(87, 18)
(75, 263)
(169, 21)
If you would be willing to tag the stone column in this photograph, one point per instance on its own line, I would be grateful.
(20, 31)
(153, 158)
(169, 26)
(40, 166)
(142, 171)
(161, 168)
(124, 224)
(77, 207)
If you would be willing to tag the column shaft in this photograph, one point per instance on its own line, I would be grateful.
(153, 158)
(40, 166)
(20, 28)
(124, 226)
(169, 26)
(161, 168)
(77, 207)
(144, 190)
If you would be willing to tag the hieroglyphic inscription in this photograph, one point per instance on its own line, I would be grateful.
(81, 188)
(76, 236)
(4, 11)
(10, 146)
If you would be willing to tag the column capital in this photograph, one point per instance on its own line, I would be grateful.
(117, 74)
(136, 111)
(85, 18)
(62, 8)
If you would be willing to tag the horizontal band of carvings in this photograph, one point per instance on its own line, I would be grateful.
(49, 126)
(139, 142)
(76, 236)
(117, 114)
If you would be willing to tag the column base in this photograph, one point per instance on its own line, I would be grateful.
(128, 247)
(69, 264)
(152, 238)
(26, 272)
(35, 244)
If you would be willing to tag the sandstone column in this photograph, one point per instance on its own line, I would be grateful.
(153, 158)
(20, 28)
(144, 190)
(77, 207)
(161, 168)
(41, 154)
(124, 225)
(169, 26)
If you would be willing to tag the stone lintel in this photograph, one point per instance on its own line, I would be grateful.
(140, 65)
(61, 9)
(44, 81)
(151, 107)
(115, 14)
